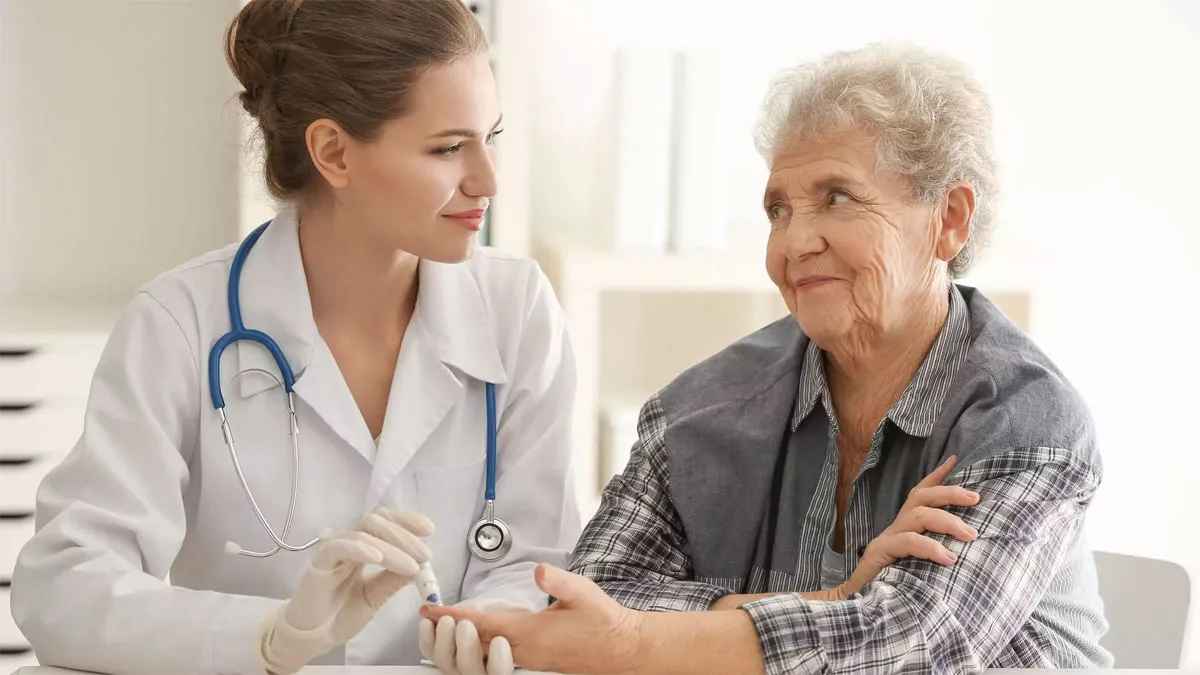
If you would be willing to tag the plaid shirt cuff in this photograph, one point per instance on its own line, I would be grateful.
(787, 627)
(669, 596)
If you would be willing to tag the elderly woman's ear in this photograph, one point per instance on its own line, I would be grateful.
(955, 213)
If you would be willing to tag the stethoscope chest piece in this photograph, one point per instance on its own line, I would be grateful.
(489, 538)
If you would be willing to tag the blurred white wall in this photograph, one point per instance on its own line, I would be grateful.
(118, 144)
(1097, 137)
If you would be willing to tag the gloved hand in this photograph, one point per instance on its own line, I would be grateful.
(456, 649)
(335, 599)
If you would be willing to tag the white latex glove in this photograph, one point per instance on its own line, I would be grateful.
(335, 599)
(456, 649)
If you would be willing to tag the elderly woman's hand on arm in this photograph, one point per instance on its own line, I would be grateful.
(904, 538)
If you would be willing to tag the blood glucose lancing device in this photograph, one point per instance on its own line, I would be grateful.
(427, 584)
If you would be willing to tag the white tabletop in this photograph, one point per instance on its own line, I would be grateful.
(430, 670)
(309, 670)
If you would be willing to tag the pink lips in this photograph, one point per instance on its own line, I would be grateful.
(471, 220)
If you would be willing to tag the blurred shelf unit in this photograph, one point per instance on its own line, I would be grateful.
(583, 280)
(602, 271)
(47, 358)
(704, 302)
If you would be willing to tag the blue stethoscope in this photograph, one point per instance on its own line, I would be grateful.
(489, 539)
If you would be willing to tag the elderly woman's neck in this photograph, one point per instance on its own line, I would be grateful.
(870, 369)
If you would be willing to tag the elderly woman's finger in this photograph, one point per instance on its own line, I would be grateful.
(927, 519)
(943, 495)
(456, 612)
(939, 474)
(913, 545)
(488, 625)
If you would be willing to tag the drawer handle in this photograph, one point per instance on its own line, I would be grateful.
(16, 407)
(14, 650)
(15, 515)
(5, 582)
(15, 461)
(16, 352)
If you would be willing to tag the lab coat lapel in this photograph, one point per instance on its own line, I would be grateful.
(449, 340)
(275, 300)
(325, 391)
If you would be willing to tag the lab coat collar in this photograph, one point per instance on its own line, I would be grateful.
(451, 307)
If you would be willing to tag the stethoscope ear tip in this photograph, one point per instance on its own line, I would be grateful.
(232, 548)
(325, 533)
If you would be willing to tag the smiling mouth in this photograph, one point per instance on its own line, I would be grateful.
(812, 282)
(471, 220)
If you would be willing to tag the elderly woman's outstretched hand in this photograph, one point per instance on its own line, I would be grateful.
(584, 631)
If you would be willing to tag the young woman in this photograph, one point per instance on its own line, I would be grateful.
(344, 390)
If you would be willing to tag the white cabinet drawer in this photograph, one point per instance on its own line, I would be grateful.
(33, 373)
(19, 484)
(40, 428)
(13, 535)
(10, 637)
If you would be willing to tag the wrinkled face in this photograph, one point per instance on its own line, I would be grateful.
(850, 251)
(423, 185)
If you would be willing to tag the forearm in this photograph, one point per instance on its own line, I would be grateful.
(735, 601)
(698, 643)
(658, 595)
(106, 620)
(900, 623)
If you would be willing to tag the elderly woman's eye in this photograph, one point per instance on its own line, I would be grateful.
(776, 211)
(838, 197)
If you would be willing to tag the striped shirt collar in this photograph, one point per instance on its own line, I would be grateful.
(918, 406)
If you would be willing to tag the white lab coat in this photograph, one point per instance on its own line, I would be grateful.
(149, 489)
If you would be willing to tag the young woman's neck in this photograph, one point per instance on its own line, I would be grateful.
(353, 284)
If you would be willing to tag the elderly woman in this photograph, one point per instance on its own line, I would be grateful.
(782, 478)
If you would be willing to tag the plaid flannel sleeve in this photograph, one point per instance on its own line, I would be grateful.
(634, 546)
(922, 617)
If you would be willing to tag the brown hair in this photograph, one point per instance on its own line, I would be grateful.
(352, 61)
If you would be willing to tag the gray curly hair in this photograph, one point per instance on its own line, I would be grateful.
(929, 116)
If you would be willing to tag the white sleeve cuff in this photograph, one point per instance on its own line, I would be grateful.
(234, 649)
